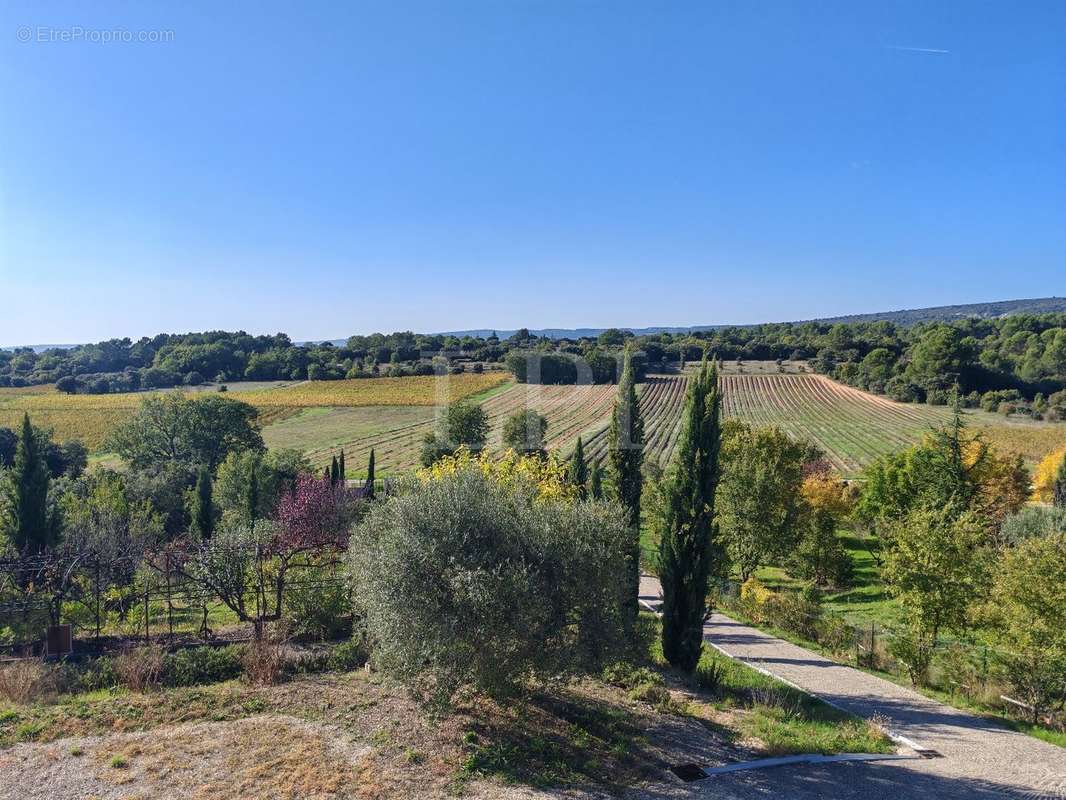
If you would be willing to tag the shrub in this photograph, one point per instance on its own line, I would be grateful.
(654, 694)
(26, 680)
(792, 613)
(469, 582)
(913, 648)
(753, 598)
(835, 634)
(200, 665)
(321, 609)
(264, 659)
(709, 674)
(140, 668)
(348, 656)
(627, 676)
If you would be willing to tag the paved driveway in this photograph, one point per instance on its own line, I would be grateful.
(977, 758)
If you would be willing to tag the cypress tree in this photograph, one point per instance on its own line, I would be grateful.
(203, 508)
(596, 482)
(325, 474)
(626, 455)
(1059, 497)
(688, 551)
(334, 472)
(340, 468)
(29, 526)
(370, 476)
(579, 469)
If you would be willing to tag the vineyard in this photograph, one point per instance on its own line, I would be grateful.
(571, 411)
(91, 417)
(852, 427)
(393, 415)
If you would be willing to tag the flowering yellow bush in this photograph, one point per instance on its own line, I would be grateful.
(1046, 470)
(753, 598)
(548, 475)
(826, 492)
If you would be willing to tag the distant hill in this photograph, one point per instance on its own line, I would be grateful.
(1000, 308)
(913, 316)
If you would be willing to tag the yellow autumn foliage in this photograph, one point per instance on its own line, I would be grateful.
(1046, 470)
(824, 491)
(547, 475)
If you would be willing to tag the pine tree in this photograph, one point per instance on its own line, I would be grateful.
(596, 482)
(688, 552)
(626, 456)
(334, 472)
(370, 476)
(203, 507)
(29, 526)
(579, 469)
(341, 470)
(1059, 496)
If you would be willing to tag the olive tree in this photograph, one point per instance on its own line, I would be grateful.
(466, 582)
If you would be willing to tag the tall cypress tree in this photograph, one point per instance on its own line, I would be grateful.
(29, 526)
(579, 469)
(203, 505)
(334, 472)
(688, 551)
(340, 469)
(370, 476)
(596, 482)
(626, 456)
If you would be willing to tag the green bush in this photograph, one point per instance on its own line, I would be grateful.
(627, 676)
(321, 609)
(834, 634)
(348, 656)
(198, 665)
(465, 582)
(790, 612)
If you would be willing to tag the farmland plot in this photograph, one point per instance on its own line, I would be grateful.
(851, 426)
(571, 411)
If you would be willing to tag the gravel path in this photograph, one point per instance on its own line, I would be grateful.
(977, 758)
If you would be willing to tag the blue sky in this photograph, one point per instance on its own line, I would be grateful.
(328, 169)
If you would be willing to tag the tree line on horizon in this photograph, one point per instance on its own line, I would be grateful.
(1014, 364)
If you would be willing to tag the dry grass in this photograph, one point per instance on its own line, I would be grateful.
(24, 681)
(277, 757)
(140, 668)
(264, 659)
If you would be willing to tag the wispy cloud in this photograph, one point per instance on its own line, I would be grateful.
(919, 49)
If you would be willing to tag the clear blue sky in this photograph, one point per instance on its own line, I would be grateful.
(328, 169)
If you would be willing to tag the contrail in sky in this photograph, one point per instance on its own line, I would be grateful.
(919, 49)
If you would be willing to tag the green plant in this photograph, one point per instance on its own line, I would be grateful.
(688, 552)
(118, 762)
(468, 581)
(200, 665)
(709, 674)
(320, 609)
(348, 656)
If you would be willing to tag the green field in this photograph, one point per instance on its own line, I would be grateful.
(393, 415)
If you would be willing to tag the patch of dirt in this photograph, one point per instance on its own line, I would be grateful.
(353, 736)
